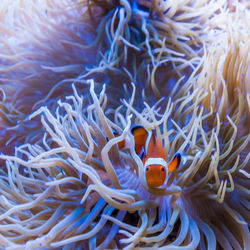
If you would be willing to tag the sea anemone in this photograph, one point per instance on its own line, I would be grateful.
(67, 184)
(77, 173)
(44, 47)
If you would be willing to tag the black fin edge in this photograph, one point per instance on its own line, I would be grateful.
(178, 156)
(134, 127)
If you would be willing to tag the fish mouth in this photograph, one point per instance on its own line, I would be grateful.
(155, 175)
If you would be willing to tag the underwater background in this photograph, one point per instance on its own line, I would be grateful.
(74, 73)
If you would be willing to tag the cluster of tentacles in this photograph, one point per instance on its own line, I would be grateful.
(77, 174)
(65, 183)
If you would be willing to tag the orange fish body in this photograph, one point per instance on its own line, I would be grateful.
(152, 155)
(150, 150)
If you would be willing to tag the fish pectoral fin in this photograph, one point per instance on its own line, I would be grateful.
(174, 163)
(121, 144)
(140, 136)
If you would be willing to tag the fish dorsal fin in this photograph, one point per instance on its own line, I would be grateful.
(154, 136)
(140, 136)
(154, 147)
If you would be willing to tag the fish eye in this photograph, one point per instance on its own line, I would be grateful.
(162, 169)
(146, 168)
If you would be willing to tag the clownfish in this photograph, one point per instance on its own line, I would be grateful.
(151, 152)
